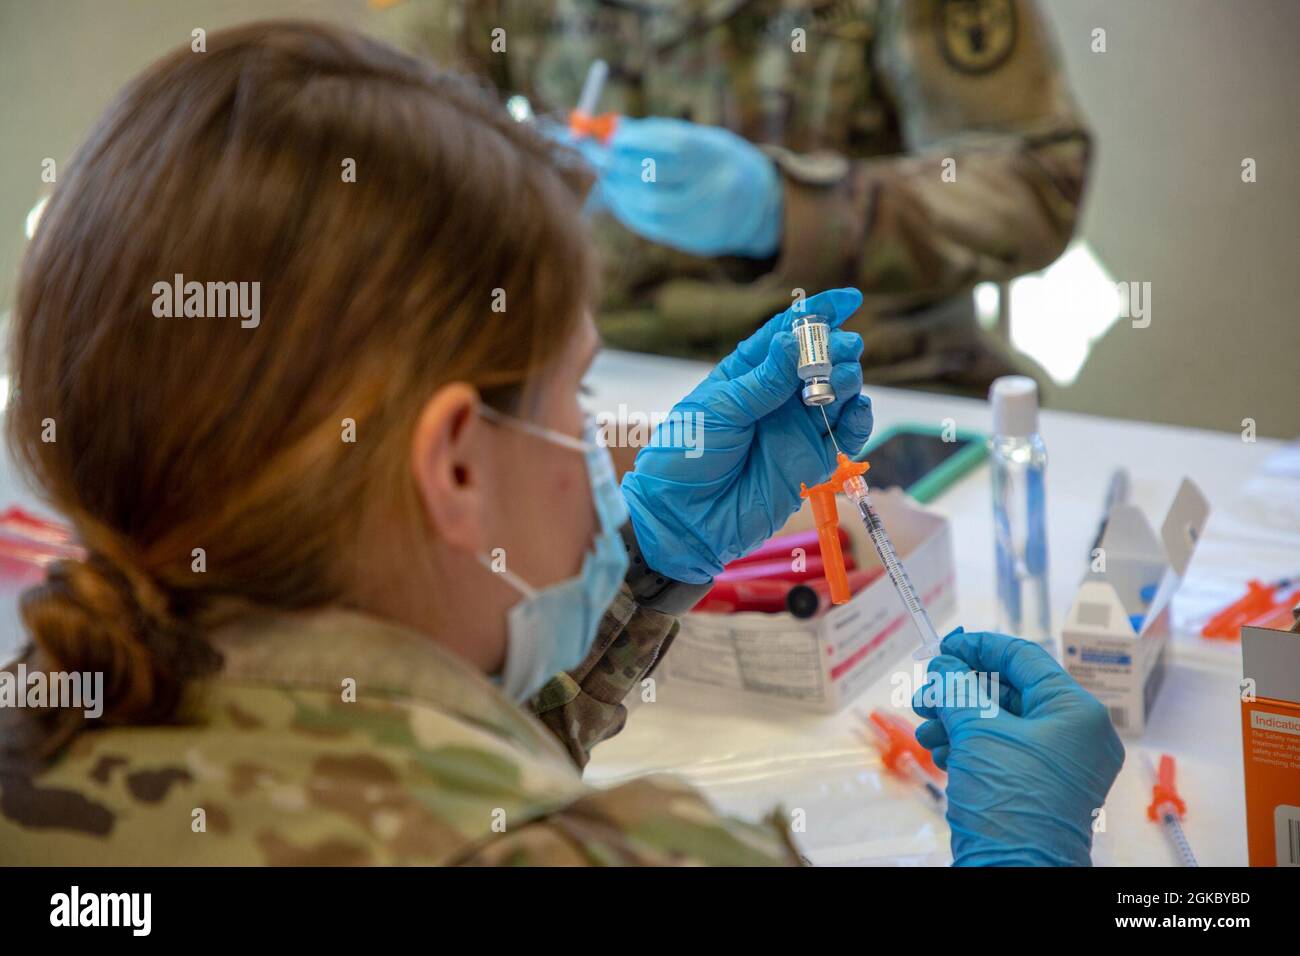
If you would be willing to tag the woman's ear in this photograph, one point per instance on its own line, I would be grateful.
(448, 461)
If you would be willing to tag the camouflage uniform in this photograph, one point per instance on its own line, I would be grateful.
(859, 124)
(430, 764)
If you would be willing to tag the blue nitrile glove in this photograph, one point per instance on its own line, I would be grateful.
(713, 193)
(756, 441)
(1023, 785)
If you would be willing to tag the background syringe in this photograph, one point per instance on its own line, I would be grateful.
(1167, 807)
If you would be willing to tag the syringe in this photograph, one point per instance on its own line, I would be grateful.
(1167, 807)
(856, 489)
(895, 739)
(812, 333)
(584, 120)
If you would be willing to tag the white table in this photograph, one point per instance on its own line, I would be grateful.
(748, 758)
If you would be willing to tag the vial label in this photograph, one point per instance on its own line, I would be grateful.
(814, 343)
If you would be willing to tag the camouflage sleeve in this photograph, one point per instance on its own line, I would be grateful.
(992, 178)
(650, 821)
(584, 706)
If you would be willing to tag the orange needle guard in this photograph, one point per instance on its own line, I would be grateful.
(896, 738)
(827, 520)
(1164, 790)
(600, 127)
(1254, 607)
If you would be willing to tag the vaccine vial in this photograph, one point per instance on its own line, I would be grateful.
(813, 334)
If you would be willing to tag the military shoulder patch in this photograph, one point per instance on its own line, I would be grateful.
(976, 36)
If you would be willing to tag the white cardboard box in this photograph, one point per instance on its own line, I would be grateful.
(1123, 665)
(822, 663)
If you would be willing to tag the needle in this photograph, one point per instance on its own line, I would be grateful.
(828, 429)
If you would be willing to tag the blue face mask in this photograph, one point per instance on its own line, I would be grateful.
(552, 629)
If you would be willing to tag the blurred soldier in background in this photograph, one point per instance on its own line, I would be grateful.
(911, 148)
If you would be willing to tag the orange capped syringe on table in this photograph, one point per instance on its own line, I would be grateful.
(1167, 807)
(812, 333)
(901, 754)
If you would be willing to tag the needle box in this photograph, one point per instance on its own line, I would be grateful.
(1270, 744)
(1116, 636)
(822, 663)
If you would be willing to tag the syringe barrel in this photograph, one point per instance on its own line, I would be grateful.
(592, 87)
(898, 575)
(1174, 830)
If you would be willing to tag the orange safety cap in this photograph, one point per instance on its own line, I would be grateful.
(827, 520)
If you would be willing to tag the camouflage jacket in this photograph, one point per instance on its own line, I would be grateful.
(333, 738)
(861, 110)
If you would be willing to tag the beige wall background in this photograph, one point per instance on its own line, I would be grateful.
(1185, 90)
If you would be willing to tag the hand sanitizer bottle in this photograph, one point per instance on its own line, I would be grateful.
(1019, 462)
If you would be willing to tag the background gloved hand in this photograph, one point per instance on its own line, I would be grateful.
(1022, 785)
(714, 193)
(692, 515)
